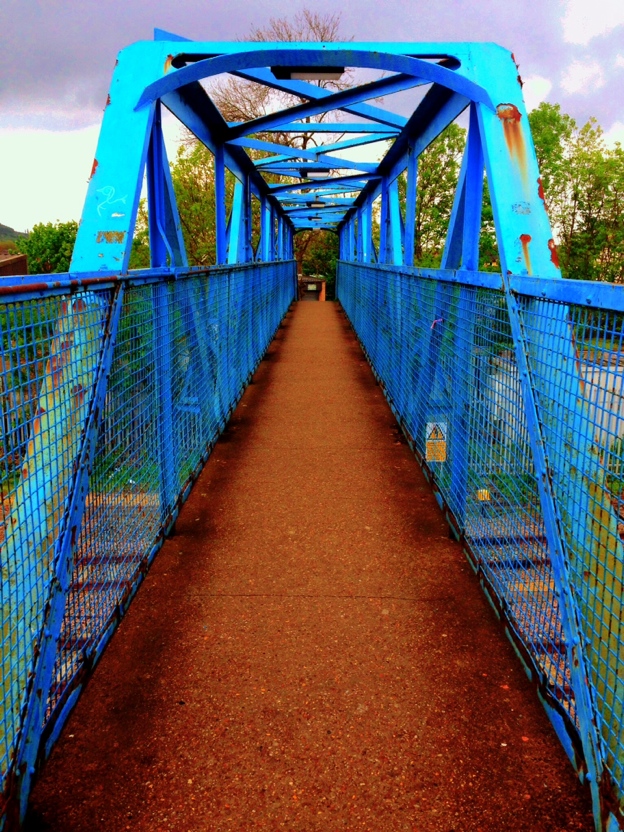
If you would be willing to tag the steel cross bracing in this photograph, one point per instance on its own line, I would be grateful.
(116, 383)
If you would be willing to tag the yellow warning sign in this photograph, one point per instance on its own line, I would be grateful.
(435, 445)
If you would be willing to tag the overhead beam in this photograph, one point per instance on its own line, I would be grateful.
(329, 127)
(339, 180)
(314, 93)
(436, 111)
(396, 83)
(316, 56)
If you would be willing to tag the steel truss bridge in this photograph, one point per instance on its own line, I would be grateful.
(115, 384)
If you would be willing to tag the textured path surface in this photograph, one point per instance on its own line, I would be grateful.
(310, 651)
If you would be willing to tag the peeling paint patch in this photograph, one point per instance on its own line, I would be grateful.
(168, 63)
(94, 167)
(540, 190)
(108, 100)
(110, 237)
(525, 239)
(510, 116)
(117, 214)
(554, 256)
(521, 207)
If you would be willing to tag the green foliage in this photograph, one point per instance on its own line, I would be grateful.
(194, 184)
(317, 252)
(583, 183)
(438, 173)
(140, 253)
(49, 247)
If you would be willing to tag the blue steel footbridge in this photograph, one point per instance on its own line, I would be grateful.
(116, 383)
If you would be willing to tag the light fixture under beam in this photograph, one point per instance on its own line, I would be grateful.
(316, 204)
(308, 73)
(313, 173)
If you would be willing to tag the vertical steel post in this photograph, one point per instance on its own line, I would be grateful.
(163, 347)
(359, 245)
(265, 230)
(351, 246)
(396, 224)
(160, 310)
(410, 205)
(384, 221)
(220, 208)
(525, 247)
(367, 232)
(160, 248)
(273, 235)
(280, 238)
(246, 253)
(235, 224)
(472, 200)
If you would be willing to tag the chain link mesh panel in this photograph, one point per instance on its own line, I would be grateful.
(184, 351)
(50, 353)
(445, 355)
(576, 360)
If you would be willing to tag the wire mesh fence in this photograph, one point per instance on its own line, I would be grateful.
(184, 351)
(452, 370)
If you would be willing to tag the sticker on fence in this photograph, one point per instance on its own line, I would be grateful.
(436, 442)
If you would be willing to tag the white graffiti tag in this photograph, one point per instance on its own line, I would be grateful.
(108, 191)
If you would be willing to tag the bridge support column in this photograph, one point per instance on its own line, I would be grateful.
(410, 205)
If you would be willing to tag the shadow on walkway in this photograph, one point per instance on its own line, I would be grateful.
(310, 651)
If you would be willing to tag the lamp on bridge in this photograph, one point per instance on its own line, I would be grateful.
(317, 203)
(313, 173)
(308, 73)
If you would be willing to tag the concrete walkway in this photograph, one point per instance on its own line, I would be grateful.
(310, 651)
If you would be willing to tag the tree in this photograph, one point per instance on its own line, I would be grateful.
(49, 246)
(438, 174)
(241, 100)
(583, 184)
(316, 251)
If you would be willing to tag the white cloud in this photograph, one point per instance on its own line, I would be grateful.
(584, 20)
(44, 173)
(535, 90)
(582, 77)
(614, 134)
(619, 61)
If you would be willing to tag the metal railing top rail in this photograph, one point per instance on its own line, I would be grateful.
(589, 293)
(43, 285)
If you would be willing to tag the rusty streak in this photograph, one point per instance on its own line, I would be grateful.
(525, 239)
(510, 117)
(94, 167)
(554, 256)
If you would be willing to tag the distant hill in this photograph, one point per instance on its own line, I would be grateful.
(7, 233)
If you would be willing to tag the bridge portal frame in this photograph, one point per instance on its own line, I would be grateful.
(482, 78)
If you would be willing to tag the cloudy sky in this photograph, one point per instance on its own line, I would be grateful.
(56, 58)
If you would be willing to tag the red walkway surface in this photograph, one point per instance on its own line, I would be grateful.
(310, 651)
